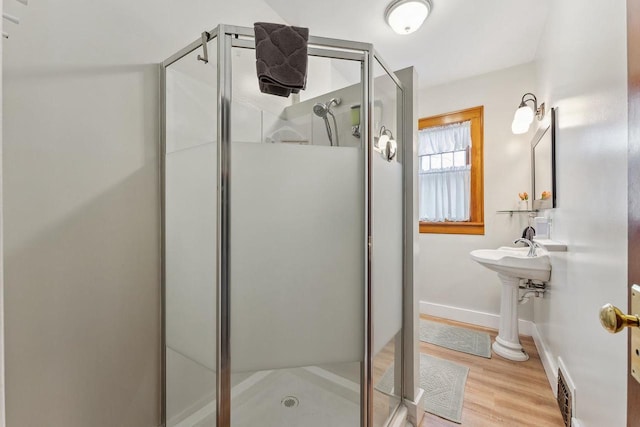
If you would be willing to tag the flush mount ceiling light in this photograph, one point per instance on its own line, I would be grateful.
(524, 115)
(406, 16)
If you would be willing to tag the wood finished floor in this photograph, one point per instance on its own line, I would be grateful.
(499, 392)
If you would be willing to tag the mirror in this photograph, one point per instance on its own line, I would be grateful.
(543, 167)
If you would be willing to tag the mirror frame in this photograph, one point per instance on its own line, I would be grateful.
(544, 203)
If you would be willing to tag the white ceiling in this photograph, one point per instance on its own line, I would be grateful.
(461, 38)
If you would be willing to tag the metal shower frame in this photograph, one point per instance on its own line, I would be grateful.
(230, 36)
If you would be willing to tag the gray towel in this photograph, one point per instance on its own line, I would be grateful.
(281, 58)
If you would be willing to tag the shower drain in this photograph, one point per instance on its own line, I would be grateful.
(290, 401)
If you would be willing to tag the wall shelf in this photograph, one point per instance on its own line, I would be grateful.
(518, 211)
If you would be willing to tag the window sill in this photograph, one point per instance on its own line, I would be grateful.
(452, 227)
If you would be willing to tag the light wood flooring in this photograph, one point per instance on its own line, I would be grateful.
(499, 392)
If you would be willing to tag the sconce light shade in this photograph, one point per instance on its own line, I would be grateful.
(524, 115)
(385, 144)
(406, 16)
(522, 119)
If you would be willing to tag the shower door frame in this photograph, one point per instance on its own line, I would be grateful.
(228, 37)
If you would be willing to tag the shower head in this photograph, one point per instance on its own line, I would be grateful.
(320, 110)
(323, 110)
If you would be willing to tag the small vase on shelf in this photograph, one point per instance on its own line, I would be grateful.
(524, 205)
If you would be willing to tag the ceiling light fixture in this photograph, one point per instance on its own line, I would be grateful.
(406, 16)
(524, 115)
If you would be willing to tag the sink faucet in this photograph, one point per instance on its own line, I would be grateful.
(532, 246)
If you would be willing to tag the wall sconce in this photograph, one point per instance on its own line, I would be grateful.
(524, 114)
(386, 145)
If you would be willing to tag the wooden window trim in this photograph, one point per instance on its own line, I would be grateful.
(475, 225)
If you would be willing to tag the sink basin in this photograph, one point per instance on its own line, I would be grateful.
(514, 262)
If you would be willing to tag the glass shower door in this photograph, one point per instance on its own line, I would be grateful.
(190, 236)
(296, 249)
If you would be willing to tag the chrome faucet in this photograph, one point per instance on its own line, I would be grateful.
(532, 246)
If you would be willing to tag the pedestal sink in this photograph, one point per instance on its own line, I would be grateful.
(512, 265)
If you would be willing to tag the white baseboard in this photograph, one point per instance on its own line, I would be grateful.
(548, 361)
(479, 318)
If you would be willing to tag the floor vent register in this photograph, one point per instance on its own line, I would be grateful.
(564, 399)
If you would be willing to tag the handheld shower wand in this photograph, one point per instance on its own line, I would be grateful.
(322, 110)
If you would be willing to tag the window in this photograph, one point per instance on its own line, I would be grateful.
(450, 182)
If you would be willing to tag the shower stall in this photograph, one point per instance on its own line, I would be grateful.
(287, 252)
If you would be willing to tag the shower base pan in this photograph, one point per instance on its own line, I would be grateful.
(310, 396)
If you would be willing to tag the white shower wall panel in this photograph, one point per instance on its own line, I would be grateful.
(297, 260)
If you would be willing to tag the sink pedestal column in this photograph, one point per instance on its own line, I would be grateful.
(507, 343)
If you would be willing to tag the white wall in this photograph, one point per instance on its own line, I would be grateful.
(582, 71)
(447, 275)
(82, 204)
(2, 375)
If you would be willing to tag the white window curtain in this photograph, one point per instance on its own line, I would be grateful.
(445, 194)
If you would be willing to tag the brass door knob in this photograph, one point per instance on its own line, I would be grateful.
(613, 320)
